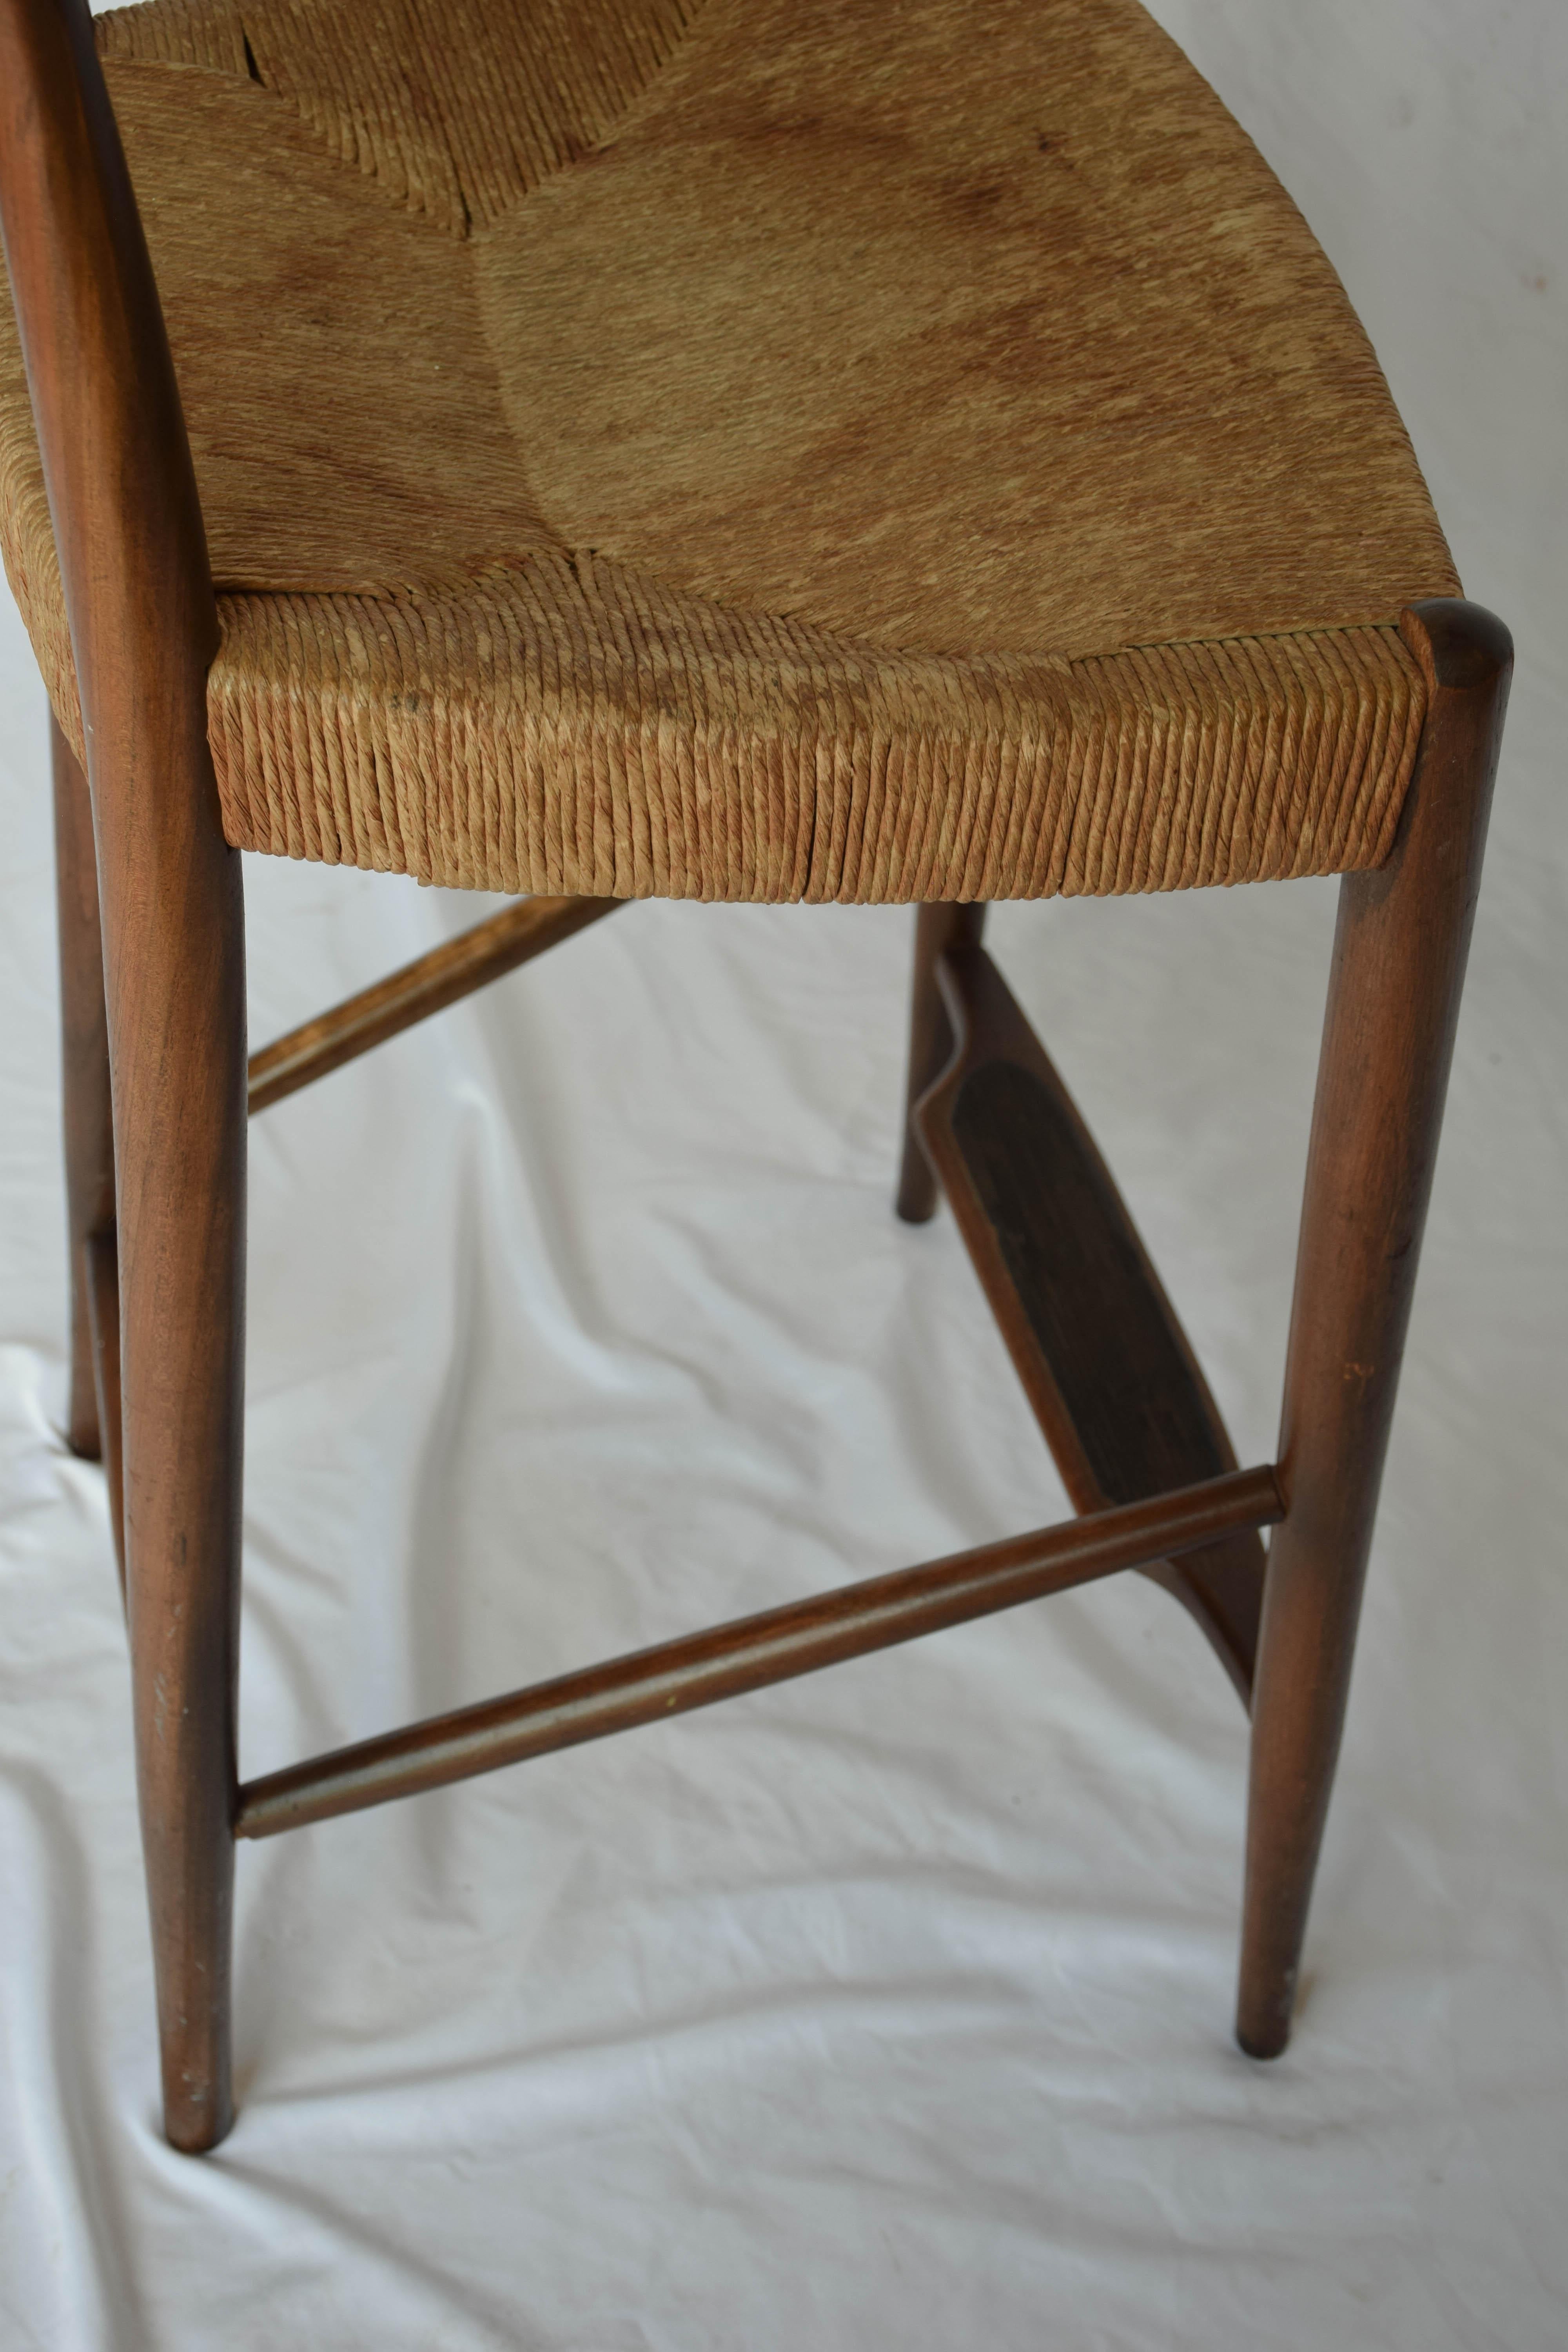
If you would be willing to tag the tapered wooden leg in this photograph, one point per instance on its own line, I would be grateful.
(175, 971)
(84, 1041)
(101, 1253)
(937, 929)
(1393, 1000)
(137, 584)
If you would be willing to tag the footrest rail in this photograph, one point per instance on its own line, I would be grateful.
(427, 985)
(751, 1652)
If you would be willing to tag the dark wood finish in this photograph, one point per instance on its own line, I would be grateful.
(1393, 1003)
(101, 1257)
(427, 985)
(937, 928)
(1104, 1361)
(88, 1116)
(750, 1653)
(143, 629)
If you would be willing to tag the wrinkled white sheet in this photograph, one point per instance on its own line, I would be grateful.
(890, 2008)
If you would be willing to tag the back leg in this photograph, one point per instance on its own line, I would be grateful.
(938, 930)
(88, 1121)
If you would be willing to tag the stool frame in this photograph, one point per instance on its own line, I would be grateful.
(157, 1092)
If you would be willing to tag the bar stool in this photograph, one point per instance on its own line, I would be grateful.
(718, 449)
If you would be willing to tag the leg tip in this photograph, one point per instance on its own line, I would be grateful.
(1265, 2011)
(916, 1198)
(195, 2126)
(1270, 2045)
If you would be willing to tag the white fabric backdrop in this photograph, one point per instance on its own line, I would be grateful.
(892, 2007)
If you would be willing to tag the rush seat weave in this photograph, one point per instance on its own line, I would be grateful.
(759, 449)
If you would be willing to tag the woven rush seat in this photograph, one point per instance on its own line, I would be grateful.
(766, 449)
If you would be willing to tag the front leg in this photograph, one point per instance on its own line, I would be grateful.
(1394, 1006)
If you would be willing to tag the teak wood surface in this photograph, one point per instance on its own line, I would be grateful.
(152, 945)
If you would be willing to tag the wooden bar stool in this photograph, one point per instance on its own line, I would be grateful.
(725, 449)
